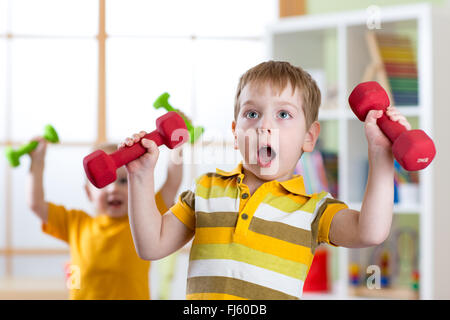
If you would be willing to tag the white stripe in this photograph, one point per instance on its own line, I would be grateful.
(223, 204)
(247, 272)
(299, 219)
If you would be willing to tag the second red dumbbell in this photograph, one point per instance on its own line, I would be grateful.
(101, 168)
(413, 149)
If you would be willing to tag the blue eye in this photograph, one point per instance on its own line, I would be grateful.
(251, 115)
(284, 115)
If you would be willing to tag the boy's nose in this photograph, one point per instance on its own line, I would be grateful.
(265, 125)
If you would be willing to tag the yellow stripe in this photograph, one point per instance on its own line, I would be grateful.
(212, 296)
(260, 242)
(241, 253)
(216, 192)
(284, 202)
(213, 235)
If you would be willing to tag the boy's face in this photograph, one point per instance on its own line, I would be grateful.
(270, 131)
(111, 200)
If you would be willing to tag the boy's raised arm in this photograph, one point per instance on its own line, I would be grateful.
(174, 177)
(371, 226)
(154, 236)
(35, 185)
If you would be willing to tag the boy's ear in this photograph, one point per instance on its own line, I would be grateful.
(311, 137)
(233, 128)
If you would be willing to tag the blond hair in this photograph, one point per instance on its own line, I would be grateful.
(279, 74)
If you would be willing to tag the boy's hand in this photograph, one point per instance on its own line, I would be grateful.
(38, 155)
(376, 139)
(145, 164)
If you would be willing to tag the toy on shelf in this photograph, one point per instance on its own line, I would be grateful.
(385, 269)
(101, 168)
(413, 149)
(354, 274)
(163, 102)
(13, 156)
(415, 280)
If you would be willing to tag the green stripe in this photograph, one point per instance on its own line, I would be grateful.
(239, 252)
(311, 204)
(281, 231)
(235, 287)
(215, 219)
(288, 205)
(216, 192)
(283, 203)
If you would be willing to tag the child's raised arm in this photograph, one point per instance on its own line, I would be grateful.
(174, 177)
(154, 236)
(371, 226)
(35, 186)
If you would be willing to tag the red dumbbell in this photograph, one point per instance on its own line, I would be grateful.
(413, 149)
(101, 168)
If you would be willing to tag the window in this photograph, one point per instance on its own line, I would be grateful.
(60, 64)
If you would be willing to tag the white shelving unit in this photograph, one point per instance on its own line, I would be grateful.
(304, 41)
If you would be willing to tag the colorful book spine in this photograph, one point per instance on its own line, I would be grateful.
(319, 171)
(400, 63)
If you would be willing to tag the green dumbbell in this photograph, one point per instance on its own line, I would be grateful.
(163, 102)
(13, 156)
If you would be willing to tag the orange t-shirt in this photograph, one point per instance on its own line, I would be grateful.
(104, 262)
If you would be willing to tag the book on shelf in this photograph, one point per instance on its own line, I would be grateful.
(400, 63)
(406, 185)
(320, 171)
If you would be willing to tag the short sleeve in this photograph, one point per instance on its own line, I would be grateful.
(61, 221)
(324, 213)
(184, 209)
(162, 208)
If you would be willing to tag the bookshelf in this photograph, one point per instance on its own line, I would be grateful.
(334, 48)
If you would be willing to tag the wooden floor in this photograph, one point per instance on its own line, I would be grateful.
(33, 289)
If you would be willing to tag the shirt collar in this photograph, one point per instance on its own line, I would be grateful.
(293, 185)
(235, 171)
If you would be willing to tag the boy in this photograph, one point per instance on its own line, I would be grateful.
(255, 229)
(104, 263)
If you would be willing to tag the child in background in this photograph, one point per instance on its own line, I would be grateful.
(255, 228)
(101, 247)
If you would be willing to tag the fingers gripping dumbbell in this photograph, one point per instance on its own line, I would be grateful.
(13, 156)
(101, 168)
(413, 149)
(163, 102)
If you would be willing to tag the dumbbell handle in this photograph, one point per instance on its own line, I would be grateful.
(391, 129)
(26, 148)
(128, 154)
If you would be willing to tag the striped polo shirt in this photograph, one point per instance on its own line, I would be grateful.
(257, 246)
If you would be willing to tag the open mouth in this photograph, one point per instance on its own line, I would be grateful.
(115, 203)
(266, 154)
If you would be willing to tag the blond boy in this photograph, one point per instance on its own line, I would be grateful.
(255, 229)
(104, 264)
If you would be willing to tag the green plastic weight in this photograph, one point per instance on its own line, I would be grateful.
(163, 102)
(13, 156)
